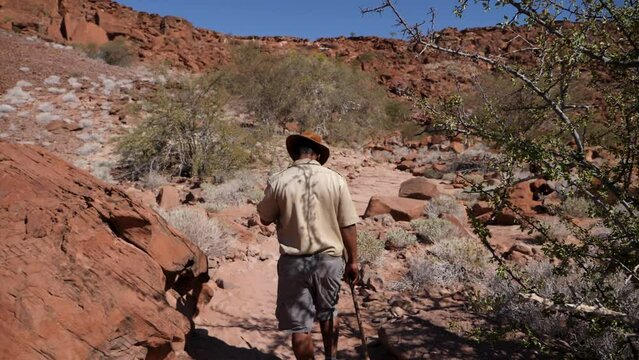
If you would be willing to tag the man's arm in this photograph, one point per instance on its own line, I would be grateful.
(349, 235)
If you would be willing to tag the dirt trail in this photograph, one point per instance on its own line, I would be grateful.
(239, 322)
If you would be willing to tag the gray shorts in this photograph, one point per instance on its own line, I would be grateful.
(307, 290)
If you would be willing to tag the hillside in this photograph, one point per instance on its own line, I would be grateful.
(176, 42)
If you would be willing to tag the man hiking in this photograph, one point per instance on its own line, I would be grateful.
(315, 219)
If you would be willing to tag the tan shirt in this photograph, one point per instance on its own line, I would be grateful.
(309, 203)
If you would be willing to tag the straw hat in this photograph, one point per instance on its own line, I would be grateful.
(308, 139)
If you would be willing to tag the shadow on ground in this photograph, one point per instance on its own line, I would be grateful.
(417, 338)
(201, 346)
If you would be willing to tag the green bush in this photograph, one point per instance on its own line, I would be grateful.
(337, 100)
(117, 52)
(370, 248)
(184, 134)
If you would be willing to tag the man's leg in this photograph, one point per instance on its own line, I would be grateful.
(330, 335)
(303, 346)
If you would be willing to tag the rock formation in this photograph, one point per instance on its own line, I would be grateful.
(85, 271)
(176, 42)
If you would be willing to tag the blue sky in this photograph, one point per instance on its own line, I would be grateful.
(310, 19)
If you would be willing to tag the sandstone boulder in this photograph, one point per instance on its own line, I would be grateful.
(168, 197)
(419, 188)
(401, 209)
(524, 198)
(457, 147)
(86, 271)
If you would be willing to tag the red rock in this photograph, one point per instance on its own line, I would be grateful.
(480, 208)
(419, 170)
(426, 141)
(168, 197)
(401, 209)
(56, 125)
(85, 269)
(505, 218)
(540, 188)
(292, 127)
(83, 32)
(413, 144)
(440, 167)
(437, 139)
(114, 25)
(406, 165)
(462, 230)
(419, 188)
(522, 197)
(410, 157)
(457, 147)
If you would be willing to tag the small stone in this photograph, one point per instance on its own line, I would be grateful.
(398, 312)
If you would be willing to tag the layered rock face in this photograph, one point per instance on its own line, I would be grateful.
(176, 42)
(85, 271)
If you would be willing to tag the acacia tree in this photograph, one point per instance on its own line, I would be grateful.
(579, 96)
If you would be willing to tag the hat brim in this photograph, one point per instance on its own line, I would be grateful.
(295, 141)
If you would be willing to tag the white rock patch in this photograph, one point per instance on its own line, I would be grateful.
(4, 108)
(70, 97)
(74, 83)
(45, 118)
(46, 107)
(52, 80)
(55, 90)
(17, 96)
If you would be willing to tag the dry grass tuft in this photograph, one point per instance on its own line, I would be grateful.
(204, 232)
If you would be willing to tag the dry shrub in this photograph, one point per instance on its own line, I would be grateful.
(555, 229)
(204, 232)
(444, 204)
(456, 263)
(434, 230)
(583, 337)
(400, 238)
(370, 248)
(576, 206)
(117, 52)
(153, 180)
(241, 189)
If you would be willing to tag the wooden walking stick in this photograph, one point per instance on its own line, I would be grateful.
(362, 335)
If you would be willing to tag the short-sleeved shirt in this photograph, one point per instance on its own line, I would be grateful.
(309, 203)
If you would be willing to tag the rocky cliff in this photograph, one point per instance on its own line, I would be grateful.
(85, 271)
(175, 41)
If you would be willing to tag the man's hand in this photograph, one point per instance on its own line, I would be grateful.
(349, 236)
(351, 272)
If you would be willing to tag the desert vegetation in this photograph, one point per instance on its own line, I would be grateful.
(332, 98)
(184, 133)
(203, 231)
(116, 52)
(578, 94)
(370, 248)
